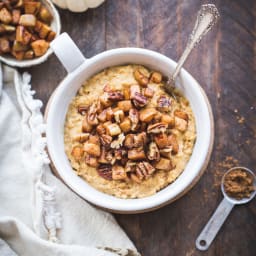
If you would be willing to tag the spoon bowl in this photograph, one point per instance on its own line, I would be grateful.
(245, 199)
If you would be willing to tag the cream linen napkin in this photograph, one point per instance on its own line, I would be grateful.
(35, 206)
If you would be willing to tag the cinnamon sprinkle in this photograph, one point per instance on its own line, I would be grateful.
(228, 163)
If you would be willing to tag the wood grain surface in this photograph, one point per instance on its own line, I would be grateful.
(224, 64)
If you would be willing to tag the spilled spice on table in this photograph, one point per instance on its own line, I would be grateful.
(228, 163)
(240, 119)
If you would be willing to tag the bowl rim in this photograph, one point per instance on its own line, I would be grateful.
(11, 61)
(142, 204)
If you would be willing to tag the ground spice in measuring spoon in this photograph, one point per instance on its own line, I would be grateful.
(239, 184)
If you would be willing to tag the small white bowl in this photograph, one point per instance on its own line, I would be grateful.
(80, 69)
(56, 27)
(78, 5)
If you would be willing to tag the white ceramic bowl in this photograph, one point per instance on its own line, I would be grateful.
(81, 69)
(56, 27)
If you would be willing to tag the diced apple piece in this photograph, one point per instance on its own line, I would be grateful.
(126, 92)
(113, 129)
(4, 45)
(44, 31)
(109, 113)
(6, 28)
(38, 26)
(161, 140)
(5, 16)
(22, 35)
(45, 15)
(19, 33)
(102, 116)
(140, 77)
(27, 20)
(124, 105)
(156, 77)
(51, 36)
(147, 114)
(172, 140)
(181, 114)
(86, 127)
(92, 149)
(40, 47)
(126, 125)
(77, 152)
(168, 119)
(181, 124)
(94, 139)
(32, 7)
(136, 154)
(118, 173)
(91, 161)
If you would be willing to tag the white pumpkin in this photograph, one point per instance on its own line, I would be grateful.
(78, 5)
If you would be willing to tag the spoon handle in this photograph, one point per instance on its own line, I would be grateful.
(211, 229)
(206, 19)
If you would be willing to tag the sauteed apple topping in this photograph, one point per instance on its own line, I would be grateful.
(127, 134)
(25, 30)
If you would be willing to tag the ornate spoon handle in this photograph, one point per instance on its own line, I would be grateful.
(206, 19)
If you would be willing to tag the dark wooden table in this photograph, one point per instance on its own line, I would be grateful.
(224, 64)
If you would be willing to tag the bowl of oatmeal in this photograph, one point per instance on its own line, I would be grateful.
(116, 138)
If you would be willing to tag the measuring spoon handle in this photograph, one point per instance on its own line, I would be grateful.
(211, 229)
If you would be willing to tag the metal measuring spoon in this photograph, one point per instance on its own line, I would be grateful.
(206, 19)
(211, 229)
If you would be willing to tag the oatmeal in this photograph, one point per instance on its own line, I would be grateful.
(125, 136)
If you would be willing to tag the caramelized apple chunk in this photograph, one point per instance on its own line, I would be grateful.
(92, 149)
(140, 77)
(40, 47)
(77, 152)
(147, 114)
(118, 173)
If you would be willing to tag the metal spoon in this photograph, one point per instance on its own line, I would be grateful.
(211, 229)
(206, 19)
